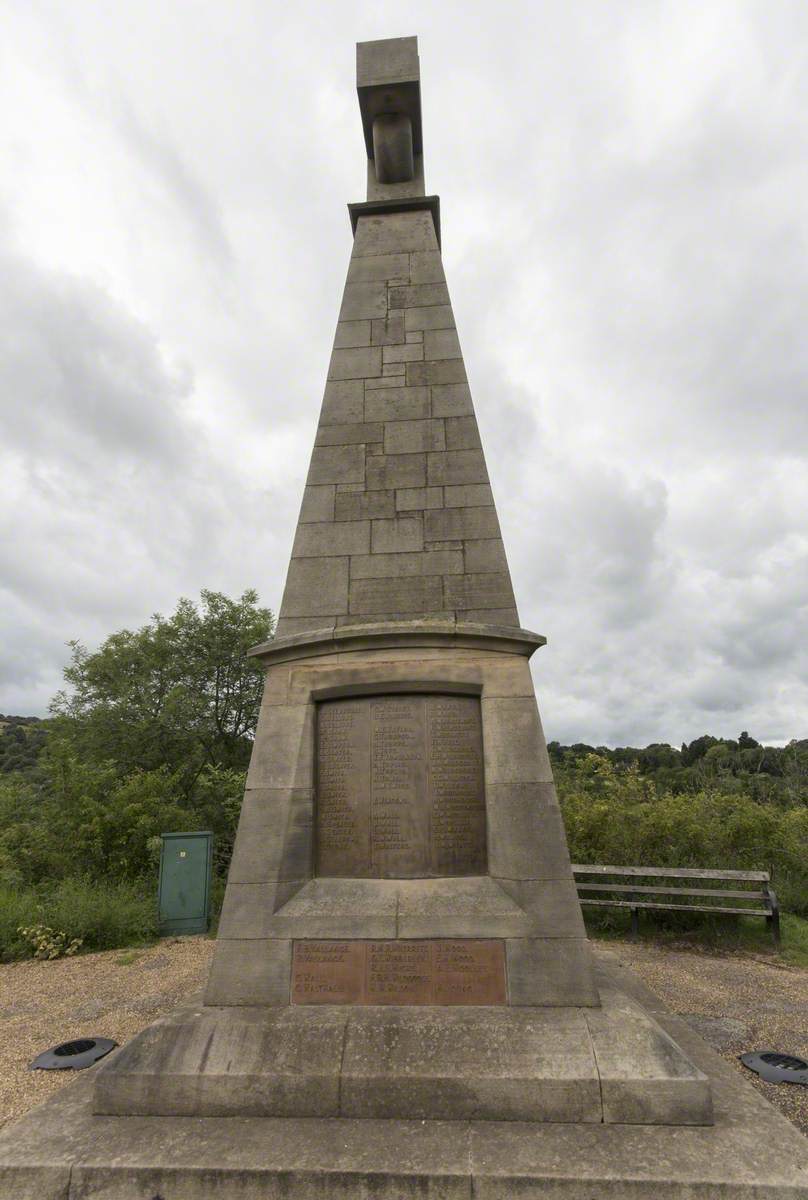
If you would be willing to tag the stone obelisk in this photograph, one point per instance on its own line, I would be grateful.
(400, 895)
(400, 786)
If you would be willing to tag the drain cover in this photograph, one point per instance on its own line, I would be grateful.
(774, 1067)
(73, 1056)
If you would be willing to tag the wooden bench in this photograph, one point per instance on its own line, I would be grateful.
(635, 888)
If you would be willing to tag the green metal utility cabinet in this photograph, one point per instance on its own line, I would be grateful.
(183, 894)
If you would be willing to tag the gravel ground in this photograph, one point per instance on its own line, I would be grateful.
(113, 994)
(736, 1002)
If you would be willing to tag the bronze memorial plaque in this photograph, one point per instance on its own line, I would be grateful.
(399, 972)
(400, 787)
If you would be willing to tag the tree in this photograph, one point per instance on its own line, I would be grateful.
(177, 695)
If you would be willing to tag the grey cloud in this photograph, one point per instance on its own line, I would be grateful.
(80, 378)
(160, 156)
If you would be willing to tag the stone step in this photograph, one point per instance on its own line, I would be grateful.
(612, 1064)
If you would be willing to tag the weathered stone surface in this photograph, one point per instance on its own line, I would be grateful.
(430, 562)
(645, 1077)
(435, 373)
(389, 330)
(751, 1152)
(408, 352)
(462, 433)
(526, 838)
(229, 1062)
(398, 404)
(355, 364)
(457, 466)
(439, 316)
(363, 300)
(460, 908)
(515, 750)
(426, 267)
(486, 591)
(318, 503)
(343, 401)
(449, 524)
(379, 267)
(386, 380)
(531, 1070)
(408, 437)
(394, 233)
(452, 400)
(276, 836)
(554, 971)
(418, 498)
(321, 539)
(359, 506)
(337, 464)
(396, 470)
(552, 905)
(412, 594)
(345, 435)
(425, 295)
(441, 343)
(247, 971)
(397, 535)
(488, 554)
(315, 587)
(493, 616)
(282, 755)
(352, 333)
(339, 908)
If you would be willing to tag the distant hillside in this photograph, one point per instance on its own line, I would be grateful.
(21, 741)
(742, 766)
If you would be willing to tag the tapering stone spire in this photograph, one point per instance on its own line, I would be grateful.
(398, 520)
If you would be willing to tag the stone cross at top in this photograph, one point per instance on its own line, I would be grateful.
(388, 83)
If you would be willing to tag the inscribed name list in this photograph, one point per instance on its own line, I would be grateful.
(465, 971)
(400, 787)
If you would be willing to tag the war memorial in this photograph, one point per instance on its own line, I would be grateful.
(403, 1001)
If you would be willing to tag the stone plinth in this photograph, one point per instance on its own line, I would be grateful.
(397, 750)
(614, 1065)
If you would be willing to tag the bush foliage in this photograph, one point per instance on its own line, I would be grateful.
(614, 814)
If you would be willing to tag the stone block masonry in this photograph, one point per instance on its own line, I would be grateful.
(397, 515)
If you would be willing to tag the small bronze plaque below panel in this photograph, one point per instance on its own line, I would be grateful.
(399, 972)
(400, 787)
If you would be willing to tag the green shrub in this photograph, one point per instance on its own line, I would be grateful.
(615, 815)
(50, 943)
(104, 915)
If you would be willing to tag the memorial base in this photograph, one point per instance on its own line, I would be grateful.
(608, 1065)
(62, 1151)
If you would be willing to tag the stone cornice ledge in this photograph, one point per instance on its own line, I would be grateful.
(399, 634)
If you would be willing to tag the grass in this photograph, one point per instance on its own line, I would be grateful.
(128, 957)
(105, 915)
(741, 934)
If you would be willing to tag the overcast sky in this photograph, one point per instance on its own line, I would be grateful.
(624, 198)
